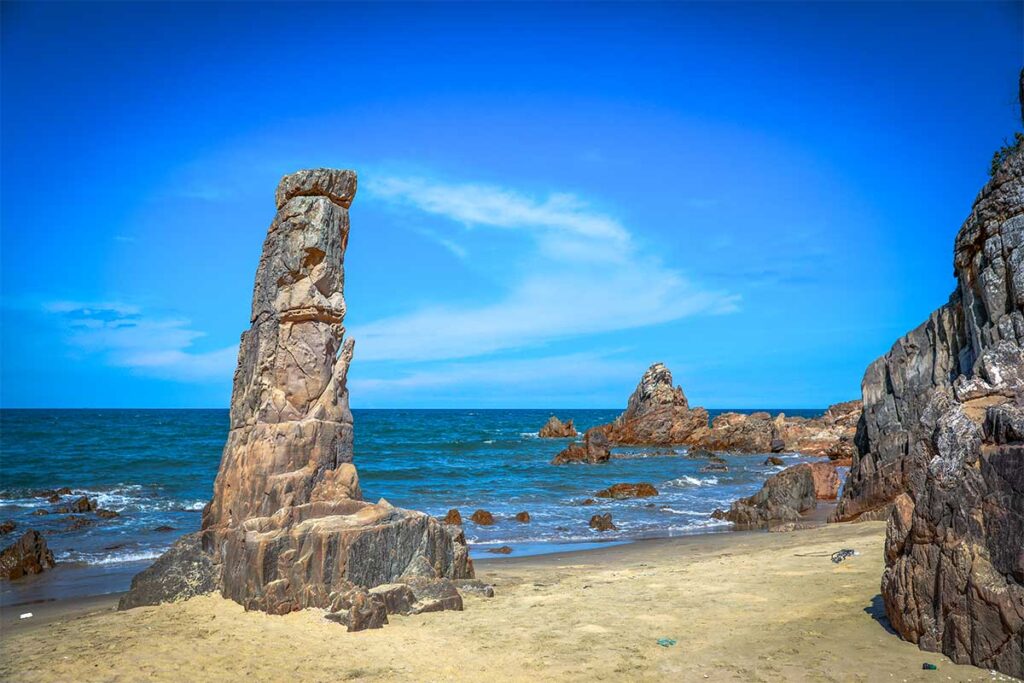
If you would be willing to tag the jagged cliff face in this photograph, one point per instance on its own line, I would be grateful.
(940, 450)
(287, 527)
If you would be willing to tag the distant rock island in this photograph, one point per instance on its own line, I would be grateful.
(658, 414)
(287, 527)
(941, 449)
(556, 429)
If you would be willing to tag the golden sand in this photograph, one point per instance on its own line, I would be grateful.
(742, 607)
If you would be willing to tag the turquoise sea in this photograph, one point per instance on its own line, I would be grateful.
(156, 468)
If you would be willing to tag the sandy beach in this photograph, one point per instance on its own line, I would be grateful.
(741, 606)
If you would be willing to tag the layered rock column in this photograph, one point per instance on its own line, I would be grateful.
(287, 527)
(941, 449)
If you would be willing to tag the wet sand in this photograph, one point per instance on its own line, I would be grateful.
(741, 607)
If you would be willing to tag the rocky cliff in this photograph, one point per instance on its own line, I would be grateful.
(941, 448)
(287, 527)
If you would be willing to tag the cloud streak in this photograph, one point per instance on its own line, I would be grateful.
(125, 336)
(585, 274)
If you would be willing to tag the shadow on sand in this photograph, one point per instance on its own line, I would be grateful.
(876, 610)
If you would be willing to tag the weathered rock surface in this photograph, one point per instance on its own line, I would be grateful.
(453, 517)
(658, 414)
(183, 572)
(594, 449)
(287, 527)
(785, 496)
(523, 517)
(940, 452)
(7, 527)
(623, 491)
(27, 555)
(556, 429)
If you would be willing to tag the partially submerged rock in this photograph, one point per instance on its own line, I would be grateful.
(602, 522)
(453, 517)
(482, 517)
(287, 527)
(27, 555)
(623, 491)
(594, 449)
(523, 517)
(556, 429)
(502, 550)
(7, 527)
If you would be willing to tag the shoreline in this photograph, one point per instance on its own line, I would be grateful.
(744, 605)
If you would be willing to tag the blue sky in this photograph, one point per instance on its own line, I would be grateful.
(763, 196)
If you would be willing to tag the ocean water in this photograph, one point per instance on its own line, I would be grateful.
(156, 469)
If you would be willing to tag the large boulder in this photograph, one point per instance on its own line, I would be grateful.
(182, 572)
(785, 496)
(27, 555)
(940, 451)
(287, 527)
(556, 429)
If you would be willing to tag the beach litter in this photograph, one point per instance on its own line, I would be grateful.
(841, 555)
(26, 615)
(666, 642)
(929, 667)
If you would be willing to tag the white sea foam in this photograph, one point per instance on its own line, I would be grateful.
(114, 557)
(686, 480)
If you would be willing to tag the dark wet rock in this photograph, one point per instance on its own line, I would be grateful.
(556, 429)
(482, 517)
(623, 491)
(27, 555)
(164, 528)
(523, 517)
(287, 527)
(775, 460)
(715, 467)
(594, 449)
(53, 495)
(453, 517)
(588, 501)
(939, 451)
(701, 454)
(503, 550)
(107, 514)
(80, 505)
(76, 522)
(182, 572)
(602, 522)
(7, 527)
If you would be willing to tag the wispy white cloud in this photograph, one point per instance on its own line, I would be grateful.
(585, 274)
(557, 374)
(126, 336)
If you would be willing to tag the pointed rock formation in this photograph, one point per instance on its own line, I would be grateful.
(287, 527)
(556, 429)
(657, 413)
(941, 449)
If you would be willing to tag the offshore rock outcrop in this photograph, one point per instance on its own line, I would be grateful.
(658, 414)
(941, 453)
(556, 429)
(287, 527)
